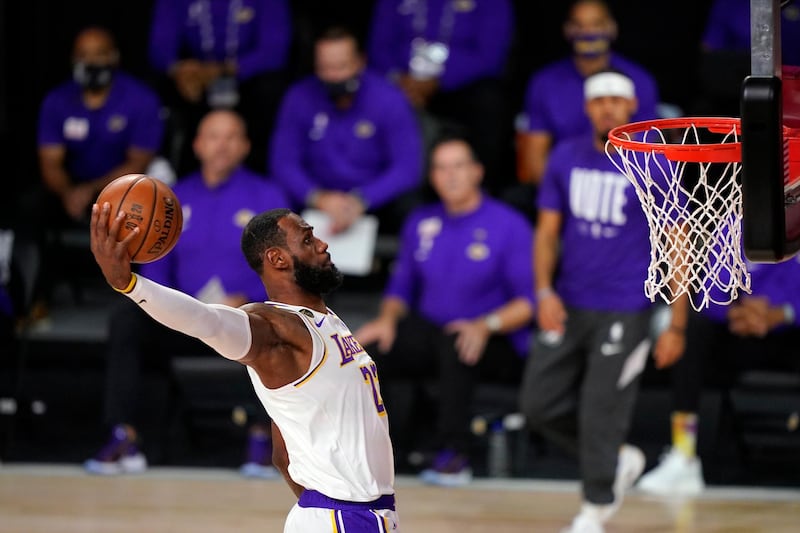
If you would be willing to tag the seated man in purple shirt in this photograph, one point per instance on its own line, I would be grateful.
(217, 202)
(459, 304)
(592, 252)
(96, 127)
(449, 58)
(346, 141)
(760, 330)
(222, 54)
(554, 108)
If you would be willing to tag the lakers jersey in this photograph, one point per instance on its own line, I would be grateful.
(332, 418)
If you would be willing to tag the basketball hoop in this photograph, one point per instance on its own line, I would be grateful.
(686, 175)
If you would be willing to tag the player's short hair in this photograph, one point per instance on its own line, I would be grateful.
(454, 137)
(601, 3)
(263, 232)
(335, 33)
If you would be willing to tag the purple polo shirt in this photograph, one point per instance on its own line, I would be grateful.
(779, 282)
(478, 35)
(257, 33)
(97, 140)
(728, 28)
(605, 244)
(464, 266)
(373, 147)
(209, 245)
(554, 101)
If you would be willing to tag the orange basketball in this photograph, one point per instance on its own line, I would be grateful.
(150, 205)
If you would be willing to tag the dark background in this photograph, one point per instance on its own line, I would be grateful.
(36, 39)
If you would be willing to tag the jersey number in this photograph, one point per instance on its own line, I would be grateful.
(370, 373)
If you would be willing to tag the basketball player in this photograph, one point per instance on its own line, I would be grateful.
(316, 382)
(581, 380)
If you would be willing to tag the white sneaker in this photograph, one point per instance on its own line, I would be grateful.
(630, 465)
(120, 455)
(259, 471)
(135, 463)
(676, 474)
(589, 520)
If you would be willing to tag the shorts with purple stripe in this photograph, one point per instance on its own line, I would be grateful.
(316, 512)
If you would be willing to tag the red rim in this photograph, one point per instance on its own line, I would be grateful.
(693, 153)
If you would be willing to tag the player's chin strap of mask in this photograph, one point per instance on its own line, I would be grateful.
(224, 328)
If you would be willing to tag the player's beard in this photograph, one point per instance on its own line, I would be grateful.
(317, 280)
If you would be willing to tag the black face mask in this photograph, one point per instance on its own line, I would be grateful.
(93, 77)
(316, 280)
(340, 89)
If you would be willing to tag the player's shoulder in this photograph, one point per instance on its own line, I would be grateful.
(306, 88)
(503, 214)
(273, 312)
(567, 149)
(425, 211)
(135, 87)
(378, 84)
(60, 95)
(427, 215)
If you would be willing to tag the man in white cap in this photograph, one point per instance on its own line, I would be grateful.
(594, 318)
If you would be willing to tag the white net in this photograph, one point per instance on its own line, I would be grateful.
(693, 209)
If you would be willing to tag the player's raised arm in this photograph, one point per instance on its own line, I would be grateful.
(224, 328)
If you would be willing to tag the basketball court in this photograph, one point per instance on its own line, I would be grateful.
(56, 498)
(760, 158)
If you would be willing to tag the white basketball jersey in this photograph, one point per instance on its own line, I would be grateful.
(333, 419)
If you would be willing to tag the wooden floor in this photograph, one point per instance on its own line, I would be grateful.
(55, 498)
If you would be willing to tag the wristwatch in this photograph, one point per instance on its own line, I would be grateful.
(493, 322)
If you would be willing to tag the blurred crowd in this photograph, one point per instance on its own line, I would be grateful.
(521, 248)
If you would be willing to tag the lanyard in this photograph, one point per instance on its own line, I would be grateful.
(206, 27)
(419, 8)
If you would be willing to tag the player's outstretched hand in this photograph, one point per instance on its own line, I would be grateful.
(110, 253)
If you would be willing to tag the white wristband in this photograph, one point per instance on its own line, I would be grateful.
(543, 293)
(788, 314)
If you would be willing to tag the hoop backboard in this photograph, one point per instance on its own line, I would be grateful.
(770, 111)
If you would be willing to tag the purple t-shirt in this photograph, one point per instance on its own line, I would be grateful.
(605, 244)
(97, 140)
(478, 34)
(461, 267)
(554, 101)
(209, 245)
(779, 282)
(373, 147)
(257, 33)
(728, 28)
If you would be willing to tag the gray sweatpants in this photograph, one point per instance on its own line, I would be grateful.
(579, 390)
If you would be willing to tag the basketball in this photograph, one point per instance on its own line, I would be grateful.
(150, 205)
